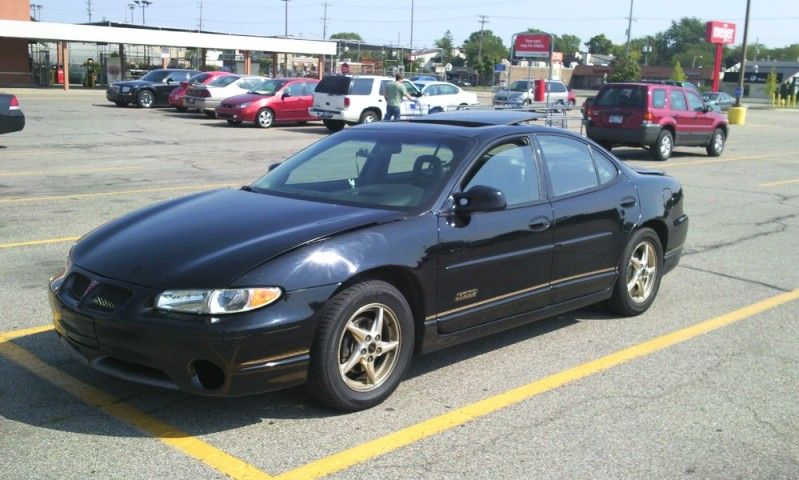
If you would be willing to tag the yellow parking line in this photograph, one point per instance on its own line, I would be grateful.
(361, 453)
(177, 439)
(8, 336)
(784, 182)
(44, 173)
(119, 192)
(37, 242)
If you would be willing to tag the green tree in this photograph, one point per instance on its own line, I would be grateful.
(678, 39)
(677, 73)
(599, 44)
(625, 69)
(446, 45)
(483, 55)
(346, 36)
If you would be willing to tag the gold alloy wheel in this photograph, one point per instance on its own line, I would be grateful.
(642, 272)
(369, 347)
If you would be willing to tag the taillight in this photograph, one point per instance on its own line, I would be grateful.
(346, 101)
(648, 116)
(205, 93)
(592, 112)
(14, 105)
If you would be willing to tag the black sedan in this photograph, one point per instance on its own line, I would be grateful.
(11, 117)
(370, 245)
(151, 90)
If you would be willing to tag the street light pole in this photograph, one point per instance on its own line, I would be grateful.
(286, 18)
(740, 90)
(143, 4)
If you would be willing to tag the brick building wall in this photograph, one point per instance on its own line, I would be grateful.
(15, 64)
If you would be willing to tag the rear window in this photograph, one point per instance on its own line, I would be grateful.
(622, 96)
(223, 81)
(334, 85)
(200, 78)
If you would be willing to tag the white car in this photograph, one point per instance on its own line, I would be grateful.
(206, 97)
(443, 96)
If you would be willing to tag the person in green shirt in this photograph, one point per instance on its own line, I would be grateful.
(395, 92)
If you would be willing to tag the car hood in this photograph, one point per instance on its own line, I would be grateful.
(209, 239)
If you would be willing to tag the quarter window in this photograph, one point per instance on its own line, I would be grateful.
(605, 168)
(658, 98)
(569, 163)
(510, 169)
(678, 100)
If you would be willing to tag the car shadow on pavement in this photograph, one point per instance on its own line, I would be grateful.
(195, 415)
(643, 155)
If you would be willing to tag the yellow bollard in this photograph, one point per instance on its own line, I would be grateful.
(736, 115)
(793, 101)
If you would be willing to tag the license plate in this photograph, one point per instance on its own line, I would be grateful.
(325, 115)
(615, 119)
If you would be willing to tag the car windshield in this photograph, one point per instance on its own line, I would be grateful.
(223, 81)
(377, 169)
(269, 87)
(155, 76)
(200, 78)
(710, 96)
(621, 96)
(519, 86)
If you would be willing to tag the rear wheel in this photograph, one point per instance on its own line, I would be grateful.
(716, 145)
(362, 348)
(265, 118)
(369, 116)
(663, 146)
(639, 274)
(333, 125)
(145, 99)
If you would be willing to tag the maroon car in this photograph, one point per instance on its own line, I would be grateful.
(276, 100)
(176, 96)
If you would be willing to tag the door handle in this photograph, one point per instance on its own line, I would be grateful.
(539, 224)
(628, 202)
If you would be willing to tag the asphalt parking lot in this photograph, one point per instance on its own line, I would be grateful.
(703, 385)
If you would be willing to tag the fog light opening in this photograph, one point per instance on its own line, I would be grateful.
(209, 375)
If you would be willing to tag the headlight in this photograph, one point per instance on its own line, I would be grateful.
(125, 89)
(215, 302)
(244, 105)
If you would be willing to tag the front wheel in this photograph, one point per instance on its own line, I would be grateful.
(663, 146)
(639, 274)
(333, 126)
(362, 348)
(145, 99)
(716, 145)
(264, 118)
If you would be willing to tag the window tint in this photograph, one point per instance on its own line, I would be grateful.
(199, 78)
(621, 96)
(510, 169)
(178, 76)
(678, 100)
(570, 164)
(448, 89)
(557, 87)
(695, 102)
(658, 98)
(223, 81)
(605, 168)
(361, 86)
(309, 87)
(295, 89)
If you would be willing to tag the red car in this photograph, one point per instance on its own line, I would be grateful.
(276, 100)
(176, 96)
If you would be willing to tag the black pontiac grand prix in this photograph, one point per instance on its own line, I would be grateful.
(369, 246)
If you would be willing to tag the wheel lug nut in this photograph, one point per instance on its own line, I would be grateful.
(377, 338)
(370, 358)
(379, 350)
(368, 338)
(363, 351)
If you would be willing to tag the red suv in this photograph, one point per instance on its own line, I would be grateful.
(276, 100)
(654, 116)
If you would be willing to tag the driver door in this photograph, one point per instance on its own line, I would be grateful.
(495, 265)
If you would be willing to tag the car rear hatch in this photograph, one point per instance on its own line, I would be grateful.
(330, 93)
(620, 106)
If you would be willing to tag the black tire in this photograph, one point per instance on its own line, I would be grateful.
(233, 122)
(209, 114)
(606, 145)
(121, 104)
(181, 109)
(663, 146)
(717, 142)
(335, 345)
(624, 301)
(369, 116)
(302, 123)
(265, 118)
(145, 99)
(334, 126)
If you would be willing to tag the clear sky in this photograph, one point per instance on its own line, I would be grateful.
(774, 23)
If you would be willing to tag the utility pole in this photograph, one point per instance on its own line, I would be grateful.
(629, 29)
(200, 26)
(324, 21)
(286, 18)
(413, 59)
(131, 7)
(739, 91)
(483, 20)
(143, 4)
(89, 9)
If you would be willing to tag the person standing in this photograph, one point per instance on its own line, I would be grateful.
(395, 93)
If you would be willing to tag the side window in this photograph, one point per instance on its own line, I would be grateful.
(295, 89)
(383, 85)
(309, 87)
(658, 98)
(695, 102)
(361, 86)
(448, 90)
(569, 163)
(678, 100)
(410, 87)
(558, 87)
(509, 168)
(605, 168)
(176, 77)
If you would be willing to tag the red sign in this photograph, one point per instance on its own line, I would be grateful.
(720, 32)
(345, 68)
(531, 45)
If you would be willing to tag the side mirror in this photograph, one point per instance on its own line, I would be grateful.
(286, 94)
(274, 166)
(478, 199)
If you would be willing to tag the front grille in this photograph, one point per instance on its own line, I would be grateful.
(107, 298)
(76, 286)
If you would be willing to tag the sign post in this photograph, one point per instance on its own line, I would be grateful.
(719, 34)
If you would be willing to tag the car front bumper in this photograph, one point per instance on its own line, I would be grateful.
(637, 137)
(258, 351)
(236, 114)
(120, 96)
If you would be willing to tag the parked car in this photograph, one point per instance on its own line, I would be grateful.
(177, 94)
(277, 100)
(423, 78)
(655, 116)
(11, 117)
(522, 93)
(369, 246)
(341, 100)
(443, 96)
(151, 90)
(206, 97)
(674, 83)
(722, 101)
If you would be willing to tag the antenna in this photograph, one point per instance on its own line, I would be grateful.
(89, 9)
